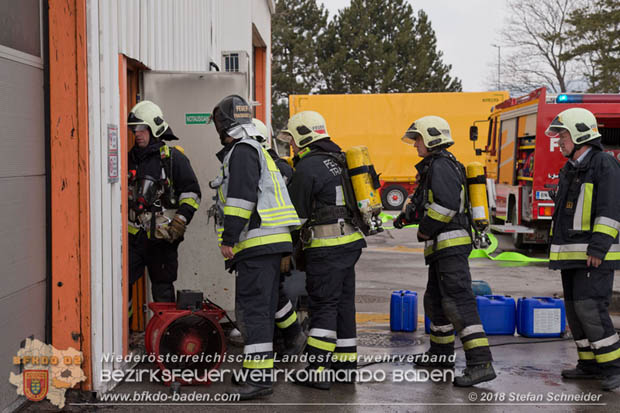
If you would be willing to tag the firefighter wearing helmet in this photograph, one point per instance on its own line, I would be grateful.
(283, 166)
(331, 246)
(286, 316)
(439, 205)
(163, 196)
(254, 217)
(584, 243)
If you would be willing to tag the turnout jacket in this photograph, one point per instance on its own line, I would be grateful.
(586, 219)
(444, 202)
(255, 205)
(316, 184)
(285, 169)
(170, 165)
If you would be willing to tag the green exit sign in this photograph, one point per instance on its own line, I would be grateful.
(197, 118)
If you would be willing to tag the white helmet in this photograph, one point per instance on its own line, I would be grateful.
(307, 127)
(148, 113)
(580, 122)
(285, 136)
(435, 131)
(262, 129)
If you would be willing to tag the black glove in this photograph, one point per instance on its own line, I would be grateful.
(400, 221)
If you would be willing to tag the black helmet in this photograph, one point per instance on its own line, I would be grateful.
(232, 111)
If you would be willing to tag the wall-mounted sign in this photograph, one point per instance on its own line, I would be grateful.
(113, 159)
(197, 118)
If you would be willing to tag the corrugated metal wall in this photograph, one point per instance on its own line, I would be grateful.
(105, 198)
(170, 35)
(165, 35)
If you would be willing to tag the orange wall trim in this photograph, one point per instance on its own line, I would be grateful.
(69, 173)
(122, 87)
(259, 82)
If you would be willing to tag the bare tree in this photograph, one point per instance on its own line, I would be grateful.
(534, 37)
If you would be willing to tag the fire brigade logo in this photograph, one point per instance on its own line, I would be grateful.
(35, 384)
(46, 372)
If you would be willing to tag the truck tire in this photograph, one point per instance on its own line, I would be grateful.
(393, 197)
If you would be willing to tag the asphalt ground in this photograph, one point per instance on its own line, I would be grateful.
(528, 369)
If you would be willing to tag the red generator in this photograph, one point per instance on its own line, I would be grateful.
(186, 337)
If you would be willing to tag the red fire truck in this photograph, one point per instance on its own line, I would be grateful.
(522, 163)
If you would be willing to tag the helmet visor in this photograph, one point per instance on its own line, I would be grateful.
(284, 136)
(554, 131)
(219, 119)
(410, 137)
(137, 128)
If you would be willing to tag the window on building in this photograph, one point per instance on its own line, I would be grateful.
(20, 26)
(231, 62)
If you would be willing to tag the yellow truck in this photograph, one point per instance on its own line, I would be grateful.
(378, 122)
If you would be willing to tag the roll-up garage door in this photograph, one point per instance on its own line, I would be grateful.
(22, 184)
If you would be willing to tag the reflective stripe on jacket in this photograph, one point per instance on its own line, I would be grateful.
(445, 220)
(277, 213)
(586, 219)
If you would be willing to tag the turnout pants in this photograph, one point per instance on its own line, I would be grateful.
(161, 259)
(330, 282)
(256, 298)
(587, 293)
(286, 317)
(450, 304)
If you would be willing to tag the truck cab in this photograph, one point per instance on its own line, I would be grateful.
(522, 163)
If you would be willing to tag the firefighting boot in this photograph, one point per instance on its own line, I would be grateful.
(475, 374)
(249, 390)
(581, 373)
(295, 345)
(432, 360)
(611, 382)
(313, 377)
(345, 371)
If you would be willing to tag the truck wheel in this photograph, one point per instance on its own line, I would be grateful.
(393, 197)
(517, 239)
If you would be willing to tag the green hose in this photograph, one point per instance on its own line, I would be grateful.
(479, 253)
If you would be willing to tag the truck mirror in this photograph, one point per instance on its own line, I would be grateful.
(473, 133)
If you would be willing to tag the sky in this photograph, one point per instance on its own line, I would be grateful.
(465, 30)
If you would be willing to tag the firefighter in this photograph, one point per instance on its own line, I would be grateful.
(164, 195)
(286, 316)
(331, 248)
(254, 218)
(584, 243)
(441, 203)
(283, 166)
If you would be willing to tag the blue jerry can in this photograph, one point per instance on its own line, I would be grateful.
(480, 287)
(498, 314)
(541, 317)
(404, 311)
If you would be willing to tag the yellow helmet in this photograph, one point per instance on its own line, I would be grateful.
(148, 113)
(580, 122)
(307, 127)
(262, 129)
(435, 131)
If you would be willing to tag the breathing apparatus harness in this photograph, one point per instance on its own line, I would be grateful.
(152, 199)
(414, 210)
